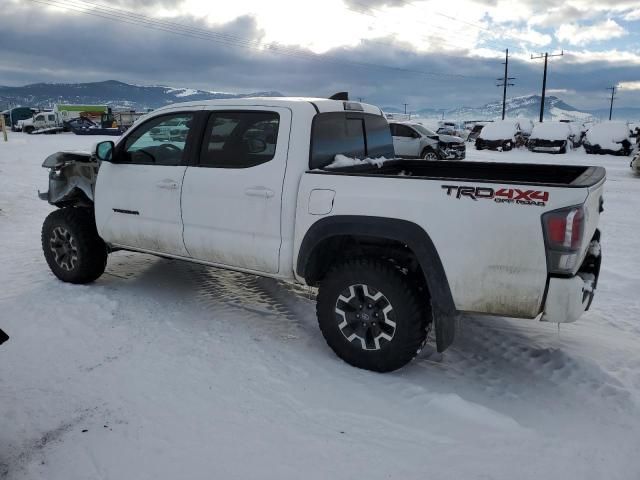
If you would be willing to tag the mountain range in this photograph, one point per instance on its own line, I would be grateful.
(143, 97)
(111, 92)
(527, 106)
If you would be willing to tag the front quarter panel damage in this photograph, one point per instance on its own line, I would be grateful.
(72, 179)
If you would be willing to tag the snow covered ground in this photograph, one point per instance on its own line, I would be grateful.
(164, 370)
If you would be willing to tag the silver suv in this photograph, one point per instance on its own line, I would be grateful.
(413, 140)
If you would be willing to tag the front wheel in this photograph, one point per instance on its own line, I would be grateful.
(71, 245)
(430, 155)
(371, 316)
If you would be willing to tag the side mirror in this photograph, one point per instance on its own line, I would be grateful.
(104, 151)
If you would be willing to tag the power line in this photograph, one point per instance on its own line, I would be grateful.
(505, 82)
(125, 16)
(544, 78)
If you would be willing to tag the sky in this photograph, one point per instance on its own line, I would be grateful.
(428, 54)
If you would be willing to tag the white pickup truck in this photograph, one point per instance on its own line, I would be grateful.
(394, 249)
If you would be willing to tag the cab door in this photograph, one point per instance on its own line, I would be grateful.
(138, 193)
(232, 197)
(406, 141)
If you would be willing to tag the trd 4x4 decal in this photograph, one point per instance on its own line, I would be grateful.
(502, 195)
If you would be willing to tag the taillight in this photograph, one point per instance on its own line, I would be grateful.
(564, 233)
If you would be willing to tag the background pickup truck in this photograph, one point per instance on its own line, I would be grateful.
(394, 249)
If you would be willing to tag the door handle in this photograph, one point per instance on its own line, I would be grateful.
(167, 184)
(259, 192)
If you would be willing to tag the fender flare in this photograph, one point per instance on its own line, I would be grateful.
(417, 240)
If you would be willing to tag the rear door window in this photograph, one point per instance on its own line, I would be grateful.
(353, 135)
(379, 141)
(240, 139)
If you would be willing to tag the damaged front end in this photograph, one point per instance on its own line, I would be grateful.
(72, 179)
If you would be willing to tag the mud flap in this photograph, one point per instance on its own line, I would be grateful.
(3, 337)
(445, 325)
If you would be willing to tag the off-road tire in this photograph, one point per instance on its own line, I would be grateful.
(76, 228)
(411, 313)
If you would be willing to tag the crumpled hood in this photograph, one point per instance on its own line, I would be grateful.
(450, 139)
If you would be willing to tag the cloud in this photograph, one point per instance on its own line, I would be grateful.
(612, 57)
(140, 55)
(561, 91)
(633, 15)
(575, 34)
(632, 85)
(369, 4)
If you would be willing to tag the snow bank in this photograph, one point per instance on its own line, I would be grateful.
(551, 131)
(341, 161)
(500, 130)
(608, 134)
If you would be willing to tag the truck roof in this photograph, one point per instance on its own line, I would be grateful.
(321, 105)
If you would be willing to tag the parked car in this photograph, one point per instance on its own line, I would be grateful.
(42, 122)
(608, 137)
(635, 163)
(16, 114)
(475, 131)
(413, 140)
(550, 137)
(526, 128)
(500, 135)
(577, 133)
(377, 240)
(175, 130)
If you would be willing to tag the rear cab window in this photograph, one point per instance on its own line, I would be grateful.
(356, 135)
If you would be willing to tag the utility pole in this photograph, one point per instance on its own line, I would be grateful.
(613, 93)
(405, 108)
(505, 82)
(544, 78)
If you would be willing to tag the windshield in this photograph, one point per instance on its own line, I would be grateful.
(422, 130)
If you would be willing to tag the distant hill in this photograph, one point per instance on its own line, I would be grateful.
(525, 106)
(110, 92)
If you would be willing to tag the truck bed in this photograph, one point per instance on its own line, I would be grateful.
(486, 172)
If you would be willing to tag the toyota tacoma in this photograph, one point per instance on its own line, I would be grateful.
(396, 248)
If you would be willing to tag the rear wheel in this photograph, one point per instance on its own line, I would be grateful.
(71, 245)
(371, 316)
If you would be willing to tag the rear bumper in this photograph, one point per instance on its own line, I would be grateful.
(568, 298)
